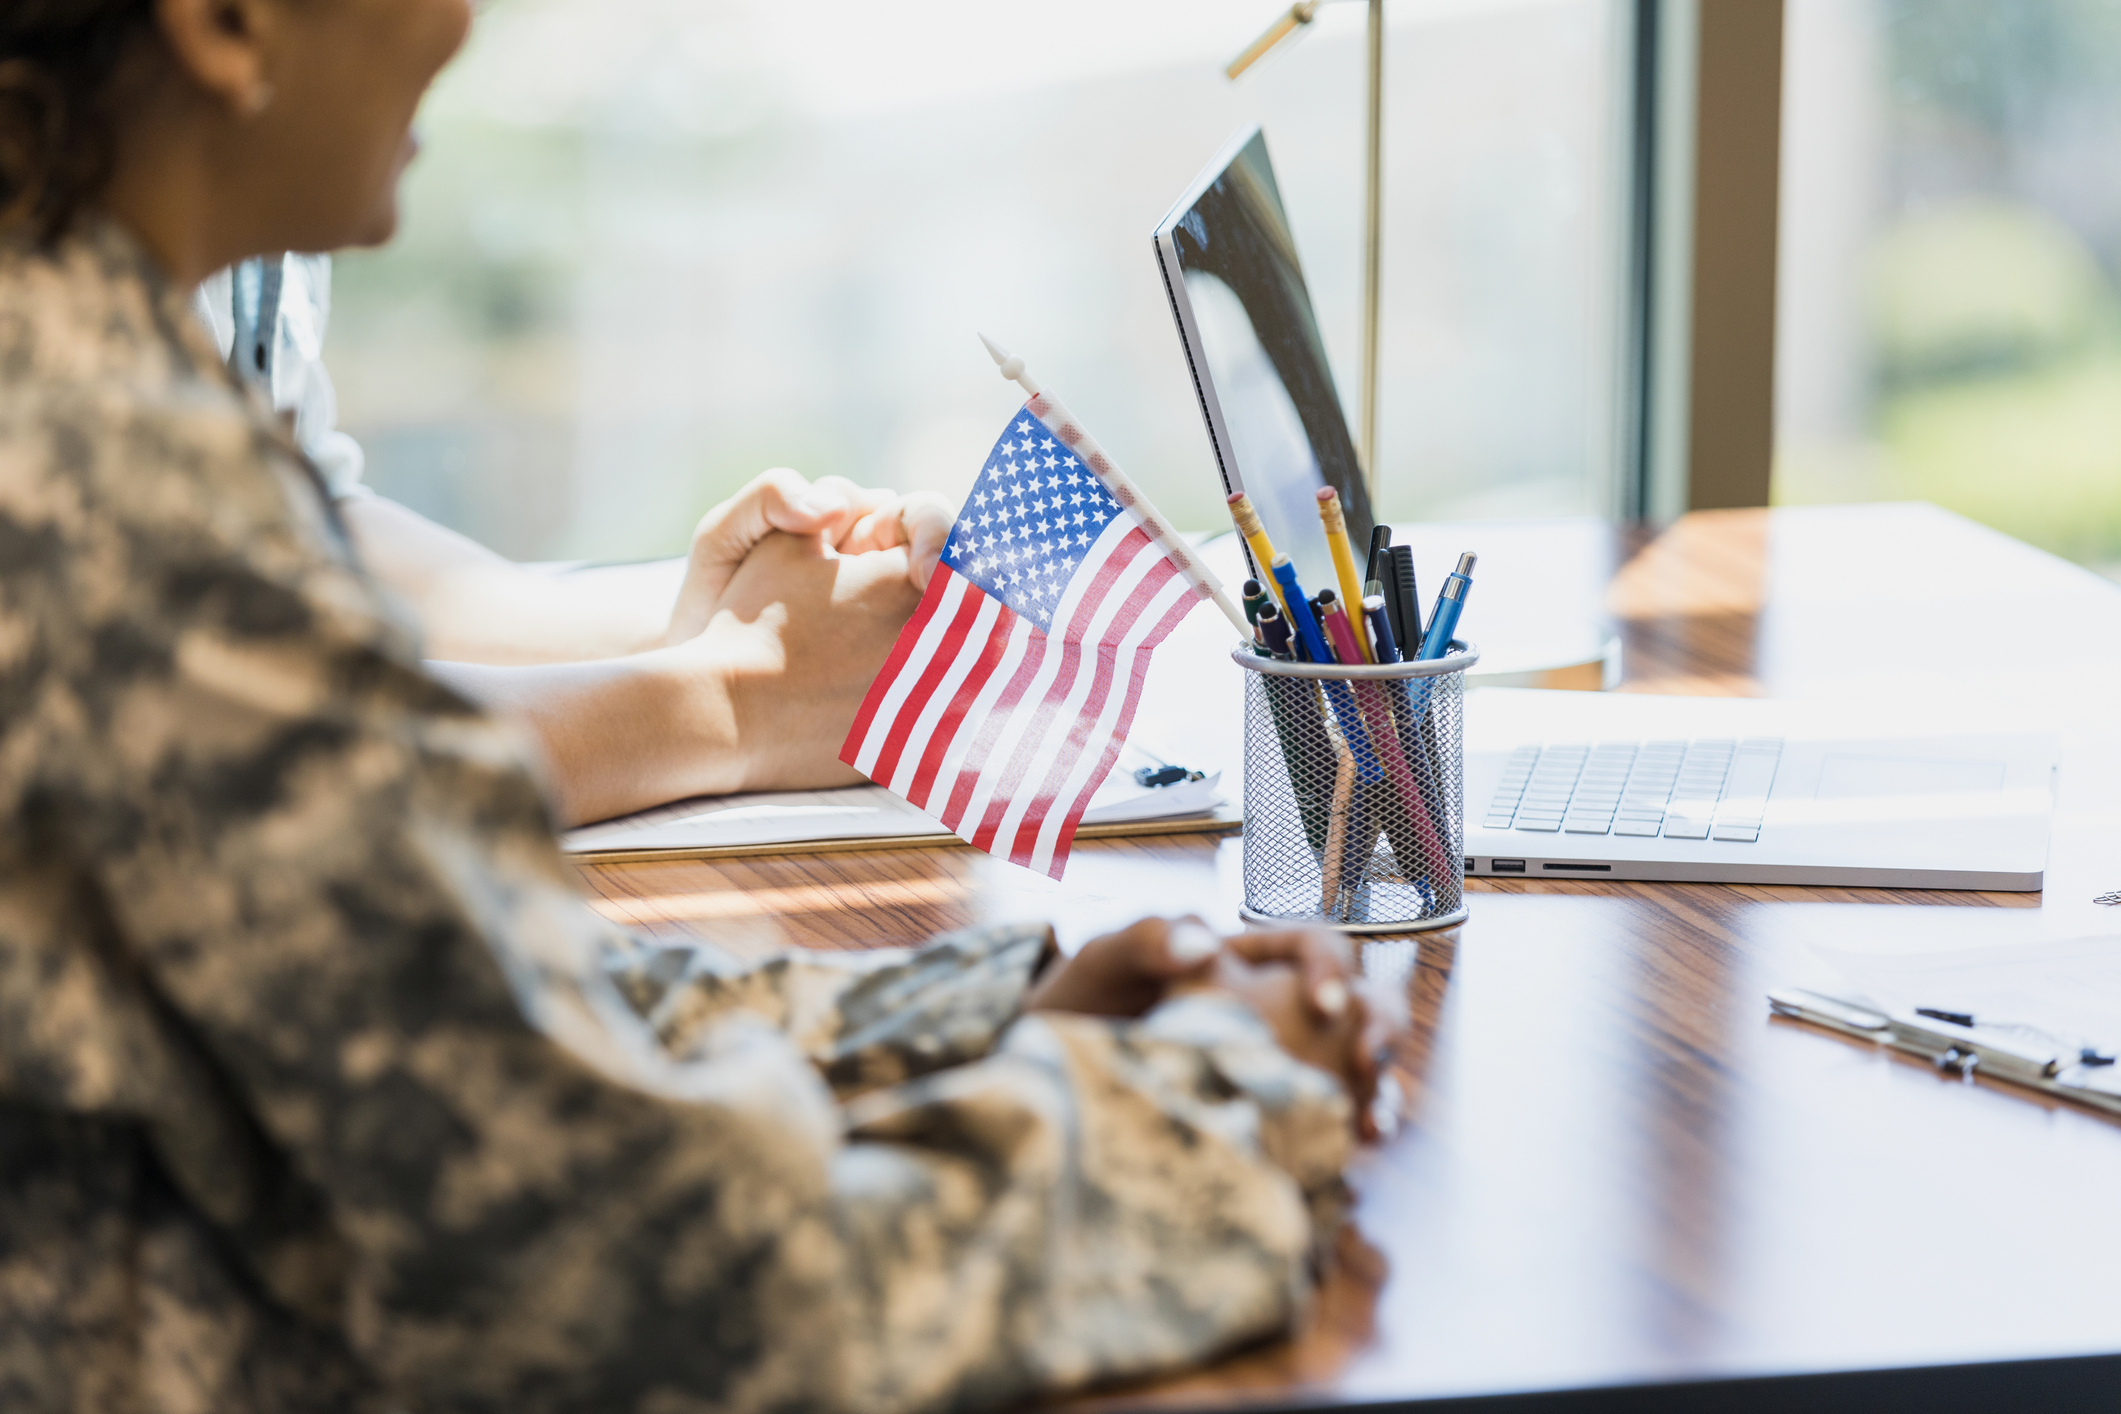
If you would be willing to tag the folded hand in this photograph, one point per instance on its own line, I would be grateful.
(1302, 982)
(850, 519)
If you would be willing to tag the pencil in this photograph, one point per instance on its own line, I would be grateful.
(1338, 834)
(1249, 526)
(1343, 555)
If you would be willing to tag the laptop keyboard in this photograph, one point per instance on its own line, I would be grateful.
(1714, 788)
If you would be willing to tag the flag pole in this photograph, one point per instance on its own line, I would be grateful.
(1066, 426)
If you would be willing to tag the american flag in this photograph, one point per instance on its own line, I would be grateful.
(1007, 697)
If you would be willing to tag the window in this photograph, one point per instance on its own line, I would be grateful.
(1949, 329)
(655, 246)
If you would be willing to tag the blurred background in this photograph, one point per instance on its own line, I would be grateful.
(655, 246)
(1951, 235)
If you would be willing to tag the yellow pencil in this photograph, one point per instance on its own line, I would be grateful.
(1255, 535)
(1343, 560)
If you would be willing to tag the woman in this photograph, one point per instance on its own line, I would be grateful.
(320, 1088)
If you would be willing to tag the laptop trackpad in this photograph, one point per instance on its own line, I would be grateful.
(1851, 777)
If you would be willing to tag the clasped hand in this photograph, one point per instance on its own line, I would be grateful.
(794, 594)
(841, 516)
(1302, 982)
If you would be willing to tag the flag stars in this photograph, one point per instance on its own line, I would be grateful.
(1029, 518)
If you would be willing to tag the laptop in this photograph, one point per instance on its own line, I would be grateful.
(1578, 784)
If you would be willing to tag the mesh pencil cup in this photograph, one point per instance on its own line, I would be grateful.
(1354, 791)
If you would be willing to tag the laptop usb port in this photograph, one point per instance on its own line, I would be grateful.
(1507, 866)
(1581, 868)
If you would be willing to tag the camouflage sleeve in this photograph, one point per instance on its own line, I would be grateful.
(865, 1019)
(340, 883)
(1115, 1161)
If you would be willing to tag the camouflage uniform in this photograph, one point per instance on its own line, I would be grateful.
(321, 1088)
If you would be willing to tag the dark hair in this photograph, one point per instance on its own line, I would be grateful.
(58, 62)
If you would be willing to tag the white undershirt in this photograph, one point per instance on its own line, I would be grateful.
(300, 383)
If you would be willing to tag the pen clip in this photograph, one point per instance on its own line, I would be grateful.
(1993, 1052)
(1380, 552)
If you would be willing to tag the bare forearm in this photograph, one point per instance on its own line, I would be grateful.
(619, 735)
(476, 607)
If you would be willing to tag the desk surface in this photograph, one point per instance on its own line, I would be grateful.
(1615, 1167)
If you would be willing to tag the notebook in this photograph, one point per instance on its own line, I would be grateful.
(870, 817)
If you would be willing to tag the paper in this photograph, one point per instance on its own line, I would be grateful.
(2068, 992)
(853, 813)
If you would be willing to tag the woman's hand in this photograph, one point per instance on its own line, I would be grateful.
(1337, 1041)
(1302, 983)
(1128, 972)
(850, 519)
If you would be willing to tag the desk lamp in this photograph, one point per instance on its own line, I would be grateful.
(1300, 15)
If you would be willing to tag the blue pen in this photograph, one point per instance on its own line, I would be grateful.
(1450, 602)
(1292, 594)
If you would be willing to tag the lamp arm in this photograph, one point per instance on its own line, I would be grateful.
(1299, 15)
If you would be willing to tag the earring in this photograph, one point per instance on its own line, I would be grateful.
(258, 99)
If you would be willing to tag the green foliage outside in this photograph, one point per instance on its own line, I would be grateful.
(1995, 326)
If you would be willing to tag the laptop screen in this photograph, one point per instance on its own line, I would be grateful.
(1273, 414)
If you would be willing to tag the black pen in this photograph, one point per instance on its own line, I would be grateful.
(1380, 543)
(1379, 573)
(1274, 629)
(1403, 597)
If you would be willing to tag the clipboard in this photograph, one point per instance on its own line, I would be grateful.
(2017, 1056)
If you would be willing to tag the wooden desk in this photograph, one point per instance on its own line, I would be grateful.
(1616, 1169)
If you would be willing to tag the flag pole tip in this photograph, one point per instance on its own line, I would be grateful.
(1010, 365)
